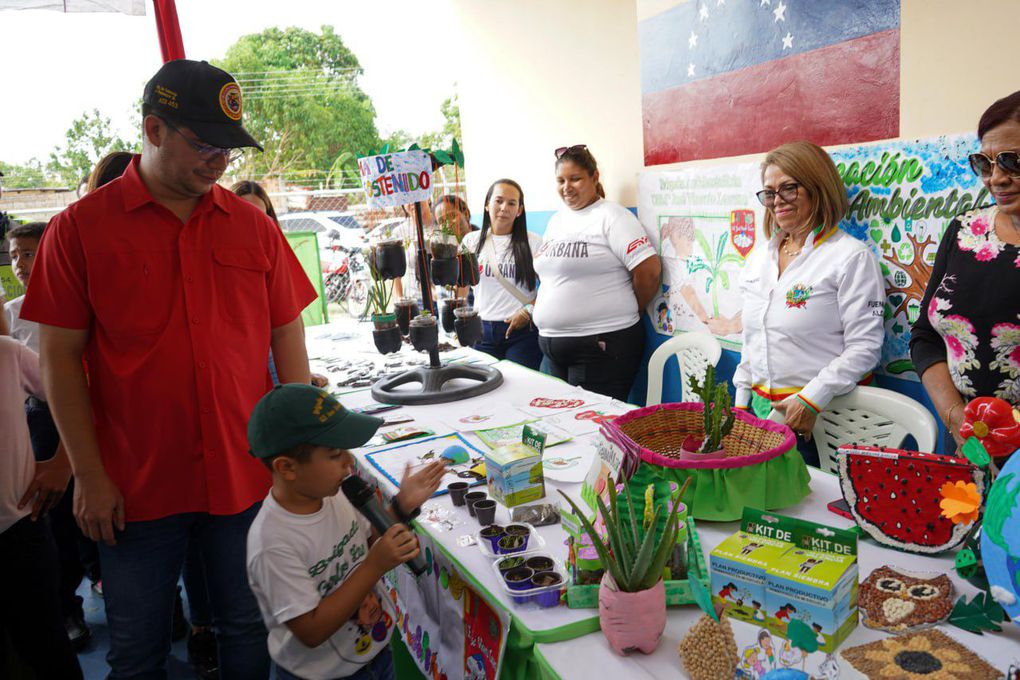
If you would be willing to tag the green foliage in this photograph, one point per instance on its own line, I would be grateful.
(718, 416)
(633, 558)
(302, 101)
(450, 133)
(982, 614)
(89, 138)
(26, 176)
(381, 291)
(975, 452)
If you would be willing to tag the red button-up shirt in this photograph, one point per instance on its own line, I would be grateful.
(179, 319)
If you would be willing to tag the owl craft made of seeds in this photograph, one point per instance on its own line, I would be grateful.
(900, 601)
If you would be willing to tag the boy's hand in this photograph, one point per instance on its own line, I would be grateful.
(396, 546)
(417, 488)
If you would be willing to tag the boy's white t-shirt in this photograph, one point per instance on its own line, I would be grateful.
(494, 301)
(19, 378)
(24, 331)
(296, 560)
(585, 264)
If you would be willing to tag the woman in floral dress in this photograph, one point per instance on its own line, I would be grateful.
(967, 344)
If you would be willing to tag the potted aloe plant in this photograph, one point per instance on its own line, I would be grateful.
(632, 594)
(386, 333)
(718, 419)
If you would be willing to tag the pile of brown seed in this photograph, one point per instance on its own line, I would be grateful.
(708, 651)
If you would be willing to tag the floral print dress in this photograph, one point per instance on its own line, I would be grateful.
(971, 310)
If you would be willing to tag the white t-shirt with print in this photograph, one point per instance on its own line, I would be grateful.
(494, 301)
(296, 560)
(24, 331)
(585, 264)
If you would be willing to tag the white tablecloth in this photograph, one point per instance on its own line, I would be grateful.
(589, 656)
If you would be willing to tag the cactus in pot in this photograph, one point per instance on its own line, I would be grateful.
(718, 414)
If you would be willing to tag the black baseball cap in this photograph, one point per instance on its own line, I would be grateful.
(295, 414)
(201, 97)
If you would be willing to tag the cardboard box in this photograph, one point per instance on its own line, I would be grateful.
(515, 471)
(739, 566)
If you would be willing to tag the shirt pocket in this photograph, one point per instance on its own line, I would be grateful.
(241, 279)
(133, 291)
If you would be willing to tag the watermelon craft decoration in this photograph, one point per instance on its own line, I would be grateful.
(896, 496)
(994, 422)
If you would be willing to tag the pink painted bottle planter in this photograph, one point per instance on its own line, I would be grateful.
(632, 621)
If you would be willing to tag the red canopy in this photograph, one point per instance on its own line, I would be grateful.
(169, 29)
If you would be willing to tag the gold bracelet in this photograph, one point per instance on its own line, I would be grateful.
(949, 415)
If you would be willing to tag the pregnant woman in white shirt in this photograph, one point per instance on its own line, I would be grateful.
(813, 297)
(507, 282)
(598, 271)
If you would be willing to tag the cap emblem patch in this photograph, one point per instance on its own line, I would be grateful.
(230, 100)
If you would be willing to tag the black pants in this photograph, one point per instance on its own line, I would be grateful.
(66, 533)
(605, 363)
(29, 607)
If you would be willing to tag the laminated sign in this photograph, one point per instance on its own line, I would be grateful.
(394, 179)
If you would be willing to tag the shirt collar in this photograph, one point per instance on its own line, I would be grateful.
(819, 235)
(136, 194)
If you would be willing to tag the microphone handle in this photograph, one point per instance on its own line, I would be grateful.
(378, 518)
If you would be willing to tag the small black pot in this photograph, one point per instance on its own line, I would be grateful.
(446, 312)
(443, 250)
(390, 260)
(406, 310)
(388, 340)
(517, 530)
(445, 271)
(424, 333)
(468, 325)
(469, 274)
(539, 563)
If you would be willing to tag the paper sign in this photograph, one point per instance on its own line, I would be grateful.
(394, 179)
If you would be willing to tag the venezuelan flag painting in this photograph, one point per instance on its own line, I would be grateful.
(730, 77)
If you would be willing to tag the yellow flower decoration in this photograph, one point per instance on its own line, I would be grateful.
(896, 654)
(960, 502)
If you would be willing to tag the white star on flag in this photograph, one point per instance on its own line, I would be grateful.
(788, 41)
(692, 42)
(780, 12)
(690, 70)
(765, 3)
(703, 13)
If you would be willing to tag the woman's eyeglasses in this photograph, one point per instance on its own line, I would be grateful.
(1008, 161)
(788, 192)
(207, 152)
(564, 150)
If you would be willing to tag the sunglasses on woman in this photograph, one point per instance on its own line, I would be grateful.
(788, 192)
(564, 150)
(1008, 162)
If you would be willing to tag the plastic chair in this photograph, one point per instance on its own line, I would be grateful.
(870, 416)
(694, 353)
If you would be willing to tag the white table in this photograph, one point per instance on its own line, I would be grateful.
(561, 634)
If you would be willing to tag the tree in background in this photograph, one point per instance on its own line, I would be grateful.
(89, 138)
(302, 101)
(27, 175)
(443, 139)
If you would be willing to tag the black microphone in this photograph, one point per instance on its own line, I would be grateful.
(362, 497)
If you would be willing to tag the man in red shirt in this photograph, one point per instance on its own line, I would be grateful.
(173, 291)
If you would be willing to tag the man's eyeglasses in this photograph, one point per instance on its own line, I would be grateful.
(207, 152)
(788, 192)
(1008, 161)
(563, 150)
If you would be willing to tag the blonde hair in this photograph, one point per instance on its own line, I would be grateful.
(813, 169)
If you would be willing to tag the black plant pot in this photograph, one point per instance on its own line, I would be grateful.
(390, 260)
(406, 310)
(446, 312)
(443, 250)
(468, 325)
(387, 340)
(469, 275)
(424, 333)
(445, 271)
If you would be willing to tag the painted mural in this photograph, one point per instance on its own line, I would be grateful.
(903, 194)
(729, 77)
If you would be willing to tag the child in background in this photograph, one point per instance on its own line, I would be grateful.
(314, 563)
(29, 606)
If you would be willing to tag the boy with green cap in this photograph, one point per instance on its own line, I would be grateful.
(313, 562)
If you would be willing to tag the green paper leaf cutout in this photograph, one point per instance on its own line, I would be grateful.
(980, 615)
(442, 157)
(801, 636)
(414, 147)
(702, 597)
(457, 153)
(385, 149)
(975, 452)
(966, 563)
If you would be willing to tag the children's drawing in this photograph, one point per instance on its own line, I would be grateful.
(392, 461)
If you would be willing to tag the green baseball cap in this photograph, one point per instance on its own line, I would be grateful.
(301, 414)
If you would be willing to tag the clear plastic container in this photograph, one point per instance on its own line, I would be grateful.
(535, 542)
(542, 595)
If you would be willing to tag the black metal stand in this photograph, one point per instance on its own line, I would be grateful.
(435, 376)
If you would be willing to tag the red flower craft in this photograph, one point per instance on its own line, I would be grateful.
(994, 422)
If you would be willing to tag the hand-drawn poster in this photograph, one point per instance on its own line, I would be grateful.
(903, 194)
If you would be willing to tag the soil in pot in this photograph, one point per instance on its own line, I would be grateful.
(384, 321)
(444, 249)
(445, 271)
(469, 274)
(545, 579)
(468, 325)
(424, 333)
(390, 260)
(539, 563)
(407, 309)
(517, 530)
(446, 312)
(492, 534)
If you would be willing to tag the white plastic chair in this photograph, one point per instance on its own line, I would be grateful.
(694, 352)
(871, 416)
